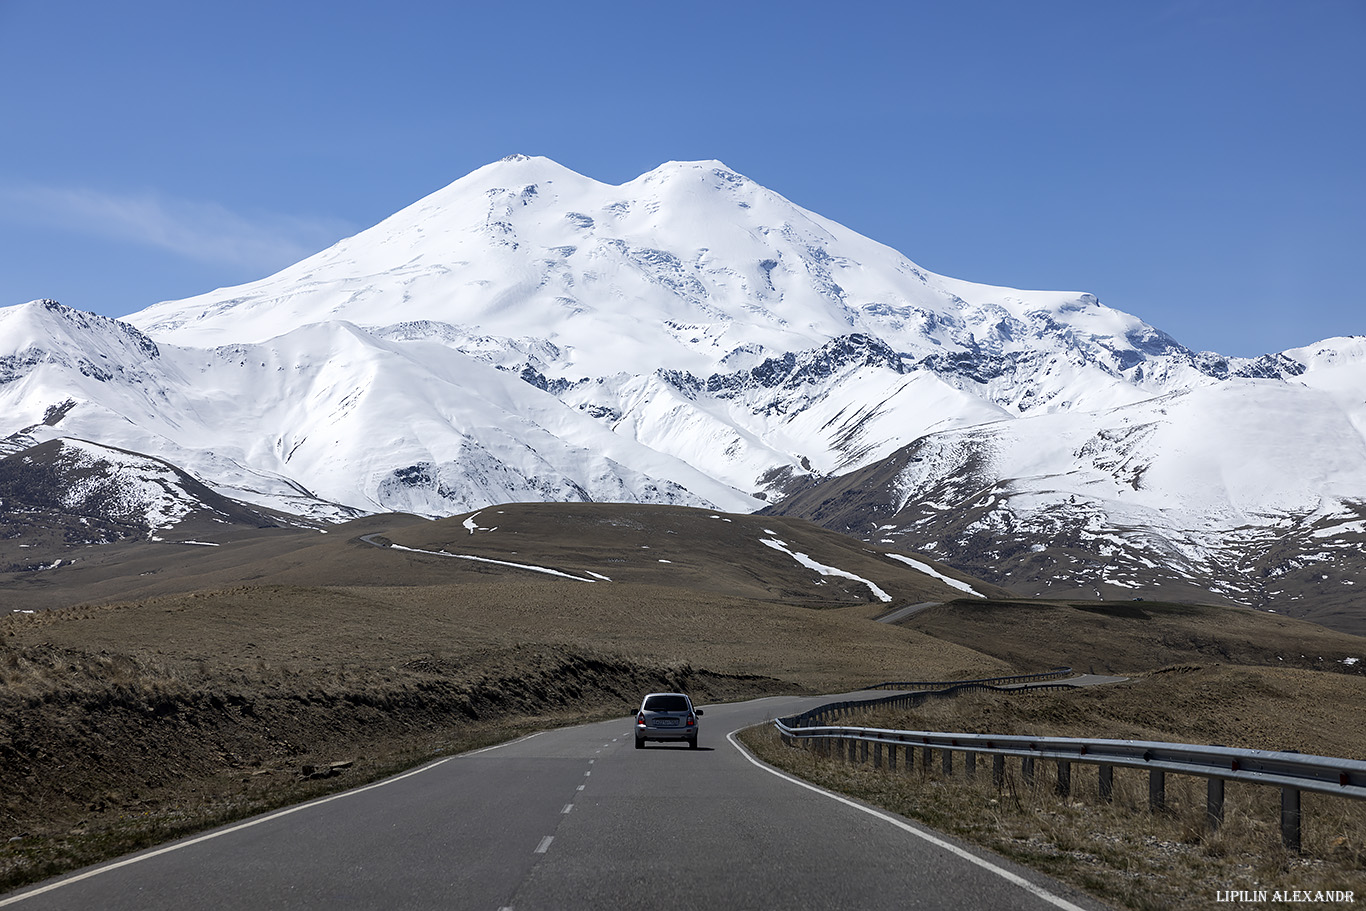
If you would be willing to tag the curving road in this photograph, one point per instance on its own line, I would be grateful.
(568, 819)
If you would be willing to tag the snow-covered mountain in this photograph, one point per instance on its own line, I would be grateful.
(688, 337)
(1247, 488)
(324, 421)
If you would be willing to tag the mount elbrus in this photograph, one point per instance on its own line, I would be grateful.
(691, 338)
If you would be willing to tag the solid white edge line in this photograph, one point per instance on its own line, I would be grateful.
(498, 746)
(208, 836)
(1002, 872)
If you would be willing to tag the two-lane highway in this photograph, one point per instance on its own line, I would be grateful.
(573, 818)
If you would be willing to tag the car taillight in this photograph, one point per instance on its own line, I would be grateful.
(692, 720)
(640, 719)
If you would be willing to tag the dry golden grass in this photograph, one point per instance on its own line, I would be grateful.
(315, 628)
(1257, 708)
(1129, 637)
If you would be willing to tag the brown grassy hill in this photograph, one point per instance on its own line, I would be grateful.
(1129, 637)
(691, 549)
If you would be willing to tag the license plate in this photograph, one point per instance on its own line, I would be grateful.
(666, 722)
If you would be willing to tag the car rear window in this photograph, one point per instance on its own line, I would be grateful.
(667, 703)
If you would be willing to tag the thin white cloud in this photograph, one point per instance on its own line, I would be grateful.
(203, 231)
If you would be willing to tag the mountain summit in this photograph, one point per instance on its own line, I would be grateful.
(690, 337)
(693, 266)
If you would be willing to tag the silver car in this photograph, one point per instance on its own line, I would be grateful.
(667, 716)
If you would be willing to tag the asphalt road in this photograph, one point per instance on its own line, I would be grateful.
(568, 819)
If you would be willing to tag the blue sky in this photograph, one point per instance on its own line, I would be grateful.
(1198, 164)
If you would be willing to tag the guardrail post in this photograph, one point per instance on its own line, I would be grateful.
(948, 762)
(926, 755)
(863, 751)
(970, 764)
(1214, 804)
(1105, 783)
(1064, 783)
(1290, 819)
(891, 757)
(1027, 769)
(1157, 790)
(998, 770)
(877, 755)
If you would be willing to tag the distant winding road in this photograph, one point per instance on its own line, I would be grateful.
(569, 819)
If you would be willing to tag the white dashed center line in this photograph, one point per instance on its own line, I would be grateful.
(545, 844)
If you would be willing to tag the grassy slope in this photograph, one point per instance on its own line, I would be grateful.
(1131, 636)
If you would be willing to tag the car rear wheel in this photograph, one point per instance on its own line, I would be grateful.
(692, 743)
(640, 743)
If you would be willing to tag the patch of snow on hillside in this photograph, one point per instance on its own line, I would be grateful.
(537, 569)
(821, 568)
(1342, 529)
(931, 571)
(470, 524)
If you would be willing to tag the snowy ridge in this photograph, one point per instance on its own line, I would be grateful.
(134, 488)
(292, 424)
(76, 480)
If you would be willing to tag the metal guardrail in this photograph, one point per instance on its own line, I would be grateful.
(1013, 685)
(1291, 772)
(988, 681)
